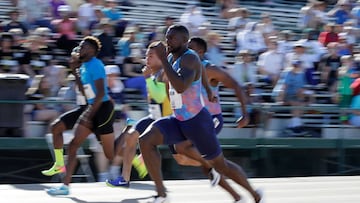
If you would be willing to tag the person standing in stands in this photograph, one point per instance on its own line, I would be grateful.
(97, 118)
(190, 119)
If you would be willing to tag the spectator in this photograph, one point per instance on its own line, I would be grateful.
(328, 35)
(244, 70)
(107, 51)
(56, 76)
(307, 63)
(15, 23)
(132, 69)
(9, 63)
(354, 118)
(95, 24)
(225, 8)
(250, 39)
(330, 63)
(125, 42)
(214, 52)
(19, 50)
(68, 93)
(36, 57)
(86, 15)
(271, 63)
(54, 6)
(266, 26)
(341, 12)
(114, 83)
(238, 21)
(293, 94)
(313, 47)
(285, 42)
(344, 48)
(194, 20)
(346, 76)
(355, 12)
(350, 33)
(65, 29)
(34, 11)
(112, 12)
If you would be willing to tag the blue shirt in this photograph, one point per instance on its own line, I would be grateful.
(112, 14)
(294, 82)
(91, 71)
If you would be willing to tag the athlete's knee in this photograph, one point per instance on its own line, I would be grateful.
(57, 127)
(220, 164)
(151, 138)
(131, 138)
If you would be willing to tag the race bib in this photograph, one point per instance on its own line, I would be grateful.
(89, 92)
(80, 99)
(155, 111)
(175, 99)
(216, 122)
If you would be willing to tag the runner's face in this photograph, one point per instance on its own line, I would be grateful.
(152, 60)
(85, 50)
(174, 41)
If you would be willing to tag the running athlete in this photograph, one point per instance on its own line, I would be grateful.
(215, 75)
(65, 122)
(191, 120)
(98, 117)
(159, 106)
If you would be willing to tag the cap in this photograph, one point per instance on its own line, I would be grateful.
(64, 8)
(296, 62)
(299, 43)
(112, 69)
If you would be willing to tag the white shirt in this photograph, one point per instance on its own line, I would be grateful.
(271, 61)
(249, 39)
(306, 59)
(315, 49)
(243, 73)
(86, 14)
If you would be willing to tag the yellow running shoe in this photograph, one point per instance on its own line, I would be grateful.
(139, 165)
(55, 169)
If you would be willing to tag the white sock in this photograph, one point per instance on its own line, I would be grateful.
(114, 171)
(103, 176)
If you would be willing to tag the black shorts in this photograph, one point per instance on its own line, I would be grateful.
(69, 118)
(104, 118)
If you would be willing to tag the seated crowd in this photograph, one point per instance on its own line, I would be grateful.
(292, 69)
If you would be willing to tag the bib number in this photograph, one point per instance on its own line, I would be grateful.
(80, 99)
(216, 122)
(89, 92)
(175, 99)
(155, 111)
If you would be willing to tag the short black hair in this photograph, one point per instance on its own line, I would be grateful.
(182, 29)
(200, 42)
(93, 41)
